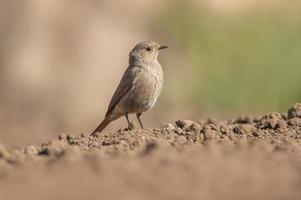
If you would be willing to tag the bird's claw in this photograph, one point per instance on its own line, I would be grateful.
(132, 125)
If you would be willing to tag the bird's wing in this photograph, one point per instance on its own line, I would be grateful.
(124, 86)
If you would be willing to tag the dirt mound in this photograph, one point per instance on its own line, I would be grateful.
(255, 158)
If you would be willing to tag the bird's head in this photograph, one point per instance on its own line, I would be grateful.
(145, 52)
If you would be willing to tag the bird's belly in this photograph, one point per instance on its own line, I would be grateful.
(143, 95)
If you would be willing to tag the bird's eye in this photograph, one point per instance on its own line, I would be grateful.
(148, 48)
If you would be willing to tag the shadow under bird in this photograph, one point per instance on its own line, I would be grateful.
(140, 86)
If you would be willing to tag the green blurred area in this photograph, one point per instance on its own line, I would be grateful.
(248, 61)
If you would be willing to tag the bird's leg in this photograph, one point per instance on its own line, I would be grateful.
(138, 117)
(127, 119)
(131, 126)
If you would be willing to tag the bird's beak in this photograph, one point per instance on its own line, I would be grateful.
(162, 47)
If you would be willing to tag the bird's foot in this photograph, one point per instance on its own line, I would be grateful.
(132, 125)
(94, 134)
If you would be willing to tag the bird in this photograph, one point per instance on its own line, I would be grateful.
(140, 85)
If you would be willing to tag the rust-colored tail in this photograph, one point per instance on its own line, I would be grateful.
(102, 125)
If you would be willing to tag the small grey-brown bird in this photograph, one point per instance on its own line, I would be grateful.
(139, 87)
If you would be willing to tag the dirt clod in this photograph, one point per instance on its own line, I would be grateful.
(169, 127)
(294, 111)
(271, 121)
(295, 122)
(244, 129)
(31, 150)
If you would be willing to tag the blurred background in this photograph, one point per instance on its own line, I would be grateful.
(60, 61)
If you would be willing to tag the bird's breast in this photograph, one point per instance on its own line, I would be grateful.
(146, 89)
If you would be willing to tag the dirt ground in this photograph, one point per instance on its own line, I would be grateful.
(243, 158)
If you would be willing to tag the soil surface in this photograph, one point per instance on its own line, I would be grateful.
(244, 158)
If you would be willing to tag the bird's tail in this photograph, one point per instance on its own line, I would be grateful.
(102, 125)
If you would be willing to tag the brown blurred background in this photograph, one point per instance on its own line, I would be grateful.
(60, 61)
